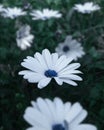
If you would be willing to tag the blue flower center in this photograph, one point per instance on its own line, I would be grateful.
(58, 127)
(45, 17)
(66, 48)
(14, 16)
(50, 73)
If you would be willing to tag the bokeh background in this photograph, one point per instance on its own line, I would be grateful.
(16, 93)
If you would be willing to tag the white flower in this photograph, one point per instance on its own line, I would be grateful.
(42, 68)
(56, 115)
(24, 38)
(45, 14)
(13, 12)
(70, 48)
(88, 7)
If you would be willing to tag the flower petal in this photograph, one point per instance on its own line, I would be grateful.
(43, 107)
(74, 112)
(44, 82)
(59, 107)
(32, 77)
(79, 118)
(47, 57)
(35, 118)
(69, 82)
(71, 77)
(58, 80)
(85, 127)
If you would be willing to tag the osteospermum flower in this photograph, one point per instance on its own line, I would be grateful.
(70, 48)
(24, 38)
(88, 7)
(13, 12)
(56, 115)
(43, 67)
(45, 14)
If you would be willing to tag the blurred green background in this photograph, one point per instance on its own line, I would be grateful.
(16, 93)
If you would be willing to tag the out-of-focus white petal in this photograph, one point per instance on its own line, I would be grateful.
(84, 127)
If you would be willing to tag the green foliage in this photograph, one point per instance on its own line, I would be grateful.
(16, 93)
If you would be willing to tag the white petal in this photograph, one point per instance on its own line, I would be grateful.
(35, 118)
(54, 59)
(59, 106)
(59, 61)
(67, 107)
(31, 76)
(85, 127)
(32, 64)
(52, 109)
(71, 77)
(63, 64)
(69, 71)
(68, 38)
(47, 57)
(34, 104)
(41, 60)
(44, 82)
(43, 107)
(79, 118)
(74, 112)
(69, 82)
(74, 66)
(58, 80)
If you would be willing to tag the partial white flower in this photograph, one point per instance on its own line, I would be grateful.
(43, 67)
(13, 12)
(87, 7)
(70, 48)
(24, 38)
(45, 114)
(45, 14)
(1, 8)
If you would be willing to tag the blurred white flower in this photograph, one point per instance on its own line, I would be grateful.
(45, 114)
(13, 12)
(43, 67)
(87, 7)
(70, 48)
(1, 8)
(45, 14)
(24, 38)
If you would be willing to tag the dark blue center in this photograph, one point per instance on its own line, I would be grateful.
(45, 18)
(58, 127)
(66, 48)
(14, 16)
(50, 73)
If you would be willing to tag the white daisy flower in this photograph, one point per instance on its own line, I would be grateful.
(43, 67)
(88, 7)
(24, 38)
(56, 115)
(45, 14)
(13, 12)
(70, 48)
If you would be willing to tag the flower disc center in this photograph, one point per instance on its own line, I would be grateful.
(45, 17)
(66, 48)
(50, 73)
(58, 127)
